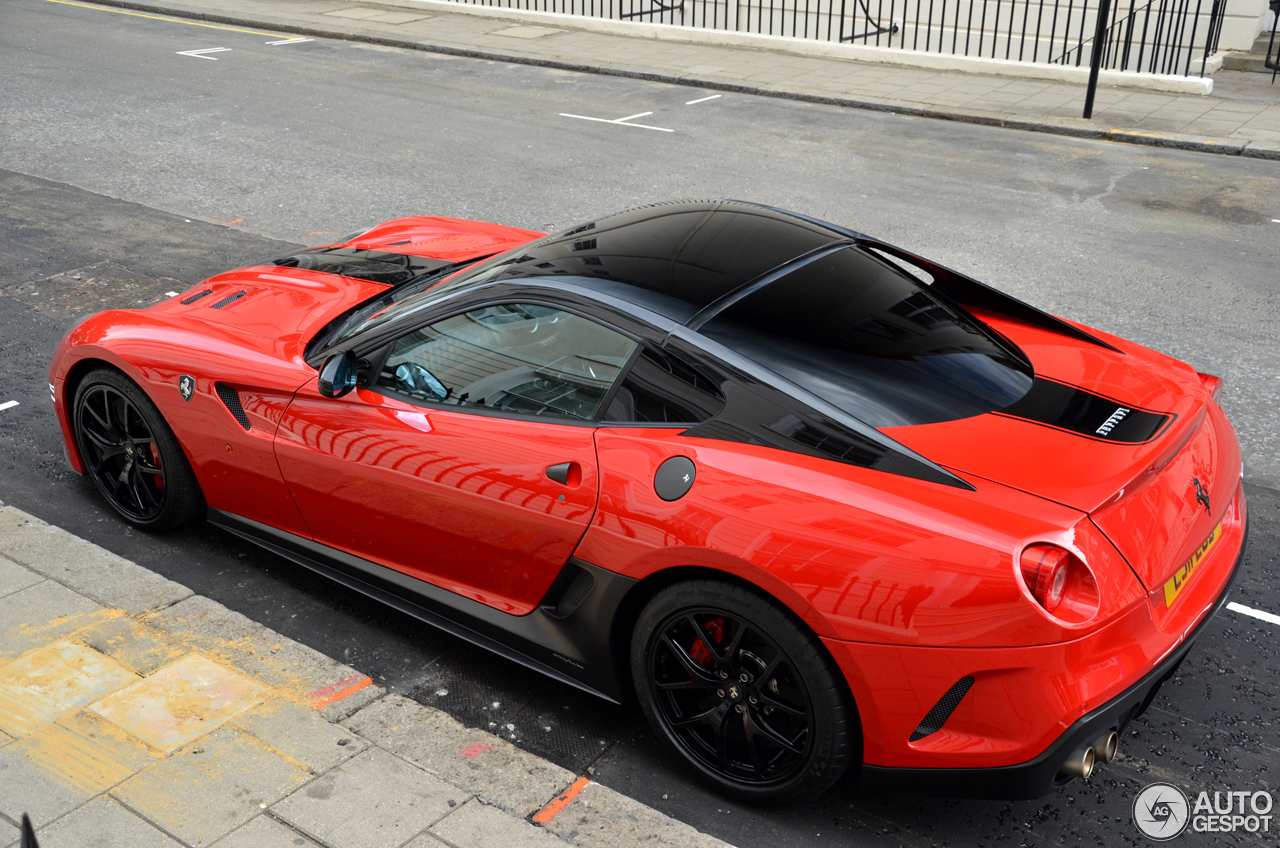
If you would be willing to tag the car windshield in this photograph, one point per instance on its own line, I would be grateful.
(405, 299)
(872, 341)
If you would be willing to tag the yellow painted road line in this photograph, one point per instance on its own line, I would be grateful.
(170, 20)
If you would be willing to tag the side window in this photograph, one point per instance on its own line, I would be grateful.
(662, 389)
(535, 360)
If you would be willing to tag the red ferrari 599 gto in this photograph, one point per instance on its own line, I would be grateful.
(815, 502)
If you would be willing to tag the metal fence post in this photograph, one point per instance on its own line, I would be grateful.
(1095, 61)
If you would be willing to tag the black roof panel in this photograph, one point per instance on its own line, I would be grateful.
(674, 258)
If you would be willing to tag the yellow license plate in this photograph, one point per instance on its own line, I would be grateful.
(1182, 576)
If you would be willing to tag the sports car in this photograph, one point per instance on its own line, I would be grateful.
(812, 501)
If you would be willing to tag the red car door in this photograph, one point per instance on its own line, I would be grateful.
(485, 490)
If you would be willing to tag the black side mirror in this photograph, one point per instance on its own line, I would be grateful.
(338, 374)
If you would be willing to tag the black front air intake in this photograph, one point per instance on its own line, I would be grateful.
(936, 717)
(231, 399)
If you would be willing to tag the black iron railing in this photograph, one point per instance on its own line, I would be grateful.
(1157, 36)
(1273, 49)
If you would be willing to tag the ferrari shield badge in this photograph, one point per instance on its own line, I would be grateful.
(186, 385)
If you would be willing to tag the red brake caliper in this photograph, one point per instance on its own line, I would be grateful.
(699, 652)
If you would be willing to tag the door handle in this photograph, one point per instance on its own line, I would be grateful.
(566, 474)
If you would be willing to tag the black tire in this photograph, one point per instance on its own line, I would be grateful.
(130, 453)
(743, 692)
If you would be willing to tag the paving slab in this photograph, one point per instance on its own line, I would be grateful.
(83, 566)
(103, 823)
(132, 644)
(211, 787)
(15, 578)
(299, 733)
(8, 833)
(39, 614)
(307, 675)
(181, 702)
(477, 825)
(47, 683)
(372, 801)
(492, 768)
(265, 832)
(86, 754)
(599, 817)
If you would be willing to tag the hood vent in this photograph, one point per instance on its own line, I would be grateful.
(231, 399)
(187, 301)
(227, 301)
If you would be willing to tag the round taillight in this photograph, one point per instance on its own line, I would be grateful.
(1045, 569)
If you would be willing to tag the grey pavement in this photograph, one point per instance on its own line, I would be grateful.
(133, 712)
(1242, 117)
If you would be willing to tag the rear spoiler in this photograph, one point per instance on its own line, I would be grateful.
(959, 288)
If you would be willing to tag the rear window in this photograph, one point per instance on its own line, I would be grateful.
(873, 342)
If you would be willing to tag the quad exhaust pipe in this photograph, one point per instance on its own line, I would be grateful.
(1081, 763)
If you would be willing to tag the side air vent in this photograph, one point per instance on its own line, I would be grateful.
(568, 592)
(231, 399)
(942, 710)
(227, 301)
(193, 298)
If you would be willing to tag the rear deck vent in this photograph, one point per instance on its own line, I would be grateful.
(231, 399)
(193, 298)
(227, 301)
(942, 710)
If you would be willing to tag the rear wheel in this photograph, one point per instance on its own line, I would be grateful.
(742, 692)
(131, 454)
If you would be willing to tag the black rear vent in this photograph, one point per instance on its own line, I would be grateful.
(568, 592)
(227, 301)
(231, 398)
(193, 298)
(942, 710)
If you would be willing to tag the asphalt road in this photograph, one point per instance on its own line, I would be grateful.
(123, 160)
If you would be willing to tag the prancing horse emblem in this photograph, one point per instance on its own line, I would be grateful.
(186, 385)
(1201, 495)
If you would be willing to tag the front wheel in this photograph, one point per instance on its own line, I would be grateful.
(743, 692)
(130, 453)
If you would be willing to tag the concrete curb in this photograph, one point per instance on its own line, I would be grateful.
(175, 721)
(1072, 127)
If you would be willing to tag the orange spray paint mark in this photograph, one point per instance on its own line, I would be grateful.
(229, 223)
(473, 751)
(332, 694)
(562, 800)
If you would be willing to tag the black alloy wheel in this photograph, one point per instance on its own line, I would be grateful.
(743, 692)
(131, 454)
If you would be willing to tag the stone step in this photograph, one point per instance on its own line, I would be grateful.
(1238, 61)
(1262, 41)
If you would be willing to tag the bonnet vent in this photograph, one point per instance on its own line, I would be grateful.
(227, 301)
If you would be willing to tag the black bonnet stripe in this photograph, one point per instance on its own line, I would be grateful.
(378, 266)
(1082, 412)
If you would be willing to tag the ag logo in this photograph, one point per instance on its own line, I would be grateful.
(186, 385)
(1161, 811)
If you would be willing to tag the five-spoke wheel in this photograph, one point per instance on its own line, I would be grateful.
(742, 691)
(131, 454)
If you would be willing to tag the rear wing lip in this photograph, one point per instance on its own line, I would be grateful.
(960, 288)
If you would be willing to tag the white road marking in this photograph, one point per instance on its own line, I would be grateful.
(170, 294)
(619, 121)
(291, 41)
(1270, 618)
(702, 99)
(9, 404)
(199, 54)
